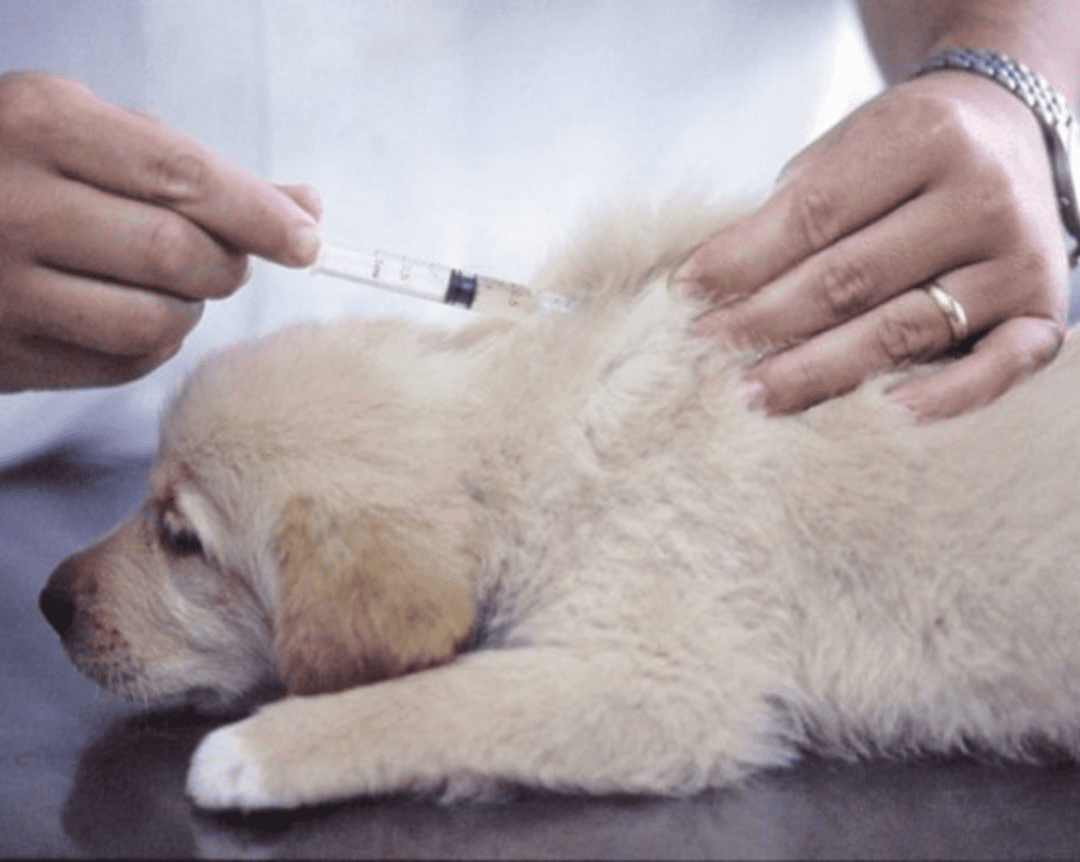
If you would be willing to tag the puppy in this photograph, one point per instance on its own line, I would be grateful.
(564, 554)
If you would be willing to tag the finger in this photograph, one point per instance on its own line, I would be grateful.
(132, 155)
(130, 242)
(908, 329)
(307, 196)
(815, 204)
(853, 276)
(96, 316)
(39, 363)
(1002, 358)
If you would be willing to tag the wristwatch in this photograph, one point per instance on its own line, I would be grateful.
(1051, 110)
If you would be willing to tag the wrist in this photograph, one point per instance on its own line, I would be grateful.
(1039, 33)
(1021, 46)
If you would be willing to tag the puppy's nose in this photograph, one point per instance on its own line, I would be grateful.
(58, 606)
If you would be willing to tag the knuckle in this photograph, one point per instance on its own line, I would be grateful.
(939, 121)
(1030, 282)
(155, 329)
(993, 193)
(227, 277)
(902, 339)
(176, 255)
(815, 218)
(1034, 266)
(953, 140)
(1041, 285)
(167, 253)
(1034, 269)
(178, 175)
(998, 206)
(846, 289)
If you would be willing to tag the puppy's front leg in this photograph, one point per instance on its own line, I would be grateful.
(536, 717)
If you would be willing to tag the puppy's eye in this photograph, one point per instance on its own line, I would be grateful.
(178, 538)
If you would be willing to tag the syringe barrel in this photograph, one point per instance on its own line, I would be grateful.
(438, 283)
(390, 271)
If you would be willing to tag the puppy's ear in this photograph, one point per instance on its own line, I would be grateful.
(367, 597)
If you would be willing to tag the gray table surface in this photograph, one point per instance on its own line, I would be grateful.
(84, 774)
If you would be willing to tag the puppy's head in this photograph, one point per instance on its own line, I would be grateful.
(295, 537)
(154, 613)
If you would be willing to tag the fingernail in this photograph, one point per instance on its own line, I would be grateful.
(684, 280)
(910, 402)
(304, 245)
(753, 393)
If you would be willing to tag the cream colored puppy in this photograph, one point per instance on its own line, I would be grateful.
(564, 554)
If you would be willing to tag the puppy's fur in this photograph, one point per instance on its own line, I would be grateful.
(564, 554)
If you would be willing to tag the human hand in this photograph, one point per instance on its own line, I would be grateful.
(114, 229)
(944, 178)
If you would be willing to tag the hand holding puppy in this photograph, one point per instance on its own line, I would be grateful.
(945, 180)
(114, 230)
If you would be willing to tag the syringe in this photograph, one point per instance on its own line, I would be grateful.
(439, 283)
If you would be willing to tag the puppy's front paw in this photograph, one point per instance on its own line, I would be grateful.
(225, 773)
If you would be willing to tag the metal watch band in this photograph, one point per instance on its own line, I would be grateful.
(1050, 109)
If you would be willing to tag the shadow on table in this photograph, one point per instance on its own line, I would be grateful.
(128, 800)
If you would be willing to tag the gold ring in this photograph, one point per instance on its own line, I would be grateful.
(952, 309)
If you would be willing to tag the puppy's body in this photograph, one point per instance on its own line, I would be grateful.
(564, 554)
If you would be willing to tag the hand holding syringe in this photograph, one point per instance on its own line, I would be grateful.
(438, 283)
